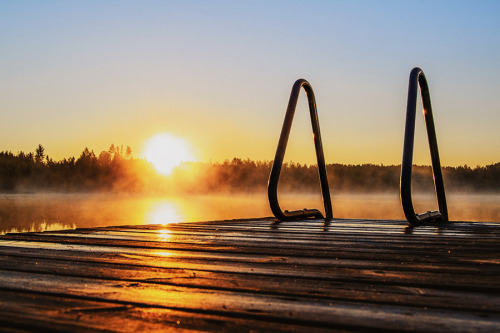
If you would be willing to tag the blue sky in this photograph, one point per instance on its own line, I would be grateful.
(219, 73)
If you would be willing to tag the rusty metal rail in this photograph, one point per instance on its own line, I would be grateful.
(417, 78)
(280, 153)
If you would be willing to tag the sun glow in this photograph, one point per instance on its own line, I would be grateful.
(166, 151)
(164, 213)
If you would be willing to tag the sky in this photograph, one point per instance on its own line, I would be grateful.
(76, 74)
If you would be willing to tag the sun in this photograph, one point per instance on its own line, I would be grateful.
(166, 151)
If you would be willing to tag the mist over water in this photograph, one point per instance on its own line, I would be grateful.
(40, 212)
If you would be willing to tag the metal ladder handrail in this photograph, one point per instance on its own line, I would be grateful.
(272, 189)
(417, 78)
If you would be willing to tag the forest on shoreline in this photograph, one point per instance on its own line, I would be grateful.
(116, 170)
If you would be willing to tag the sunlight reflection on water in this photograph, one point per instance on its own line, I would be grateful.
(42, 212)
(164, 213)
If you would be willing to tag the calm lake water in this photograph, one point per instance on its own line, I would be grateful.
(38, 212)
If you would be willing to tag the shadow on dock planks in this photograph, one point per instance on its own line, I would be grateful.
(253, 275)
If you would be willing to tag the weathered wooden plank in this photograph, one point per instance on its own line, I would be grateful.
(382, 258)
(168, 234)
(321, 313)
(321, 238)
(263, 283)
(256, 274)
(454, 278)
(275, 248)
(161, 258)
(28, 312)
(469, 228)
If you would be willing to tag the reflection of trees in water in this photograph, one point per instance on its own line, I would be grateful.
(38, 212)
(23, 214)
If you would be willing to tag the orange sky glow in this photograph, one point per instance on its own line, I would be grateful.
(219, 74)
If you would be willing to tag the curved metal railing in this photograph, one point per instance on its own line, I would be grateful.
(417, 78)
(272, 189)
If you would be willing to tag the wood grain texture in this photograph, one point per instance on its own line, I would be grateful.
(253, 275)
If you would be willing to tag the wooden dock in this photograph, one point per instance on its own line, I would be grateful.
(253, 275)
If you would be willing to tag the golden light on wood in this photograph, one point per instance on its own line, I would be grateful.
(167, 151)
(164, 235)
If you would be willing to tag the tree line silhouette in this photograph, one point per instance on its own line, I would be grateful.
(38, 172)
(116, 170)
